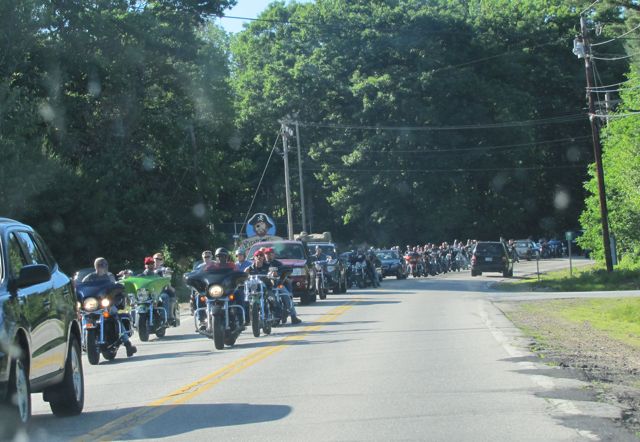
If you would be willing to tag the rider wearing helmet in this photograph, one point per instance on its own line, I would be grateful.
(222, 260)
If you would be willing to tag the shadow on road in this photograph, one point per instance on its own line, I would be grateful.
(184, 337)
(166, 420)
(140, 356)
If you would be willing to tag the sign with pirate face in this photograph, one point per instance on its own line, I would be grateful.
(261, 225)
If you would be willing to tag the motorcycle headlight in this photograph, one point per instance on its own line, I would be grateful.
(105, 303)
(215, 291)
(298, 271)
(90, 304)
(318, 266)
(330, 268)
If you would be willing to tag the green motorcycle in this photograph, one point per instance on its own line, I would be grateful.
(148, 296)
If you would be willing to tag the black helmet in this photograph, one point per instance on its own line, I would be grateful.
(221, 251)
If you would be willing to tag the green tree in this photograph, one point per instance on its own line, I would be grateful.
(351, 70)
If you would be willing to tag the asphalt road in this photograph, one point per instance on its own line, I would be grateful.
(420, 359)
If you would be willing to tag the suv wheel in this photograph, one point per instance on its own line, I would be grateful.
(16, 408)
(67, 399)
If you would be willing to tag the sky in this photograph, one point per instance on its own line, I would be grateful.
(246, 8)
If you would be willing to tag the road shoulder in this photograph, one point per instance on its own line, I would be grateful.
(610, 367)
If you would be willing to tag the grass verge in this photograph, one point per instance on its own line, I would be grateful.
(584, 279)
(618, 318)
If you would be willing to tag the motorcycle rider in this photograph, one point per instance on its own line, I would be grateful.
(271, 261)
(241, 260)
(102, 273)
(168, 295)
(511, 247)
(149, 267)
(207, 258)
(319, 255)
(222, 260)
(372, 261)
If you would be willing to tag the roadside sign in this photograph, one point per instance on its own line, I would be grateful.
(568, 236)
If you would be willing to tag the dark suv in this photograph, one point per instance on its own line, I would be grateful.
(491, 256)
(39, 330)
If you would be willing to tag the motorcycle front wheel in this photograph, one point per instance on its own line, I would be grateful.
(143, 328)
(255, 320)
(93, 349)
(218, 332)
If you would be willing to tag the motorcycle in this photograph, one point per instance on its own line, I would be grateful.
(101, 303)
(267, 304)
(359, 274)
(320, 282)
(219, 314)
(149, 311)
(413, 260)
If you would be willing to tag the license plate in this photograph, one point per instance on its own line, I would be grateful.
(488, 259)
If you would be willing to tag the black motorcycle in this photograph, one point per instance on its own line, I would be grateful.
(219, 313)
(101, 303)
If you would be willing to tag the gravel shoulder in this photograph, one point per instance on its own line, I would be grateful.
(611, 367)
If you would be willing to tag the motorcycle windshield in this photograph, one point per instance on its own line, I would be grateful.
(96, 289)
(153, 284)
(228, 278)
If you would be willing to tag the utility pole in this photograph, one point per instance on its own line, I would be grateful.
(286, 133)
(582, 48)
(304, 217)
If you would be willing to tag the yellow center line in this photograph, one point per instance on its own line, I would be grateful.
(124, 424)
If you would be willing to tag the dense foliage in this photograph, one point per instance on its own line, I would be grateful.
(620, 138)
(130, 126)
(116, 117)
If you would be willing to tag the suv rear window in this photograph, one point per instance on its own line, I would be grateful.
(490, 248)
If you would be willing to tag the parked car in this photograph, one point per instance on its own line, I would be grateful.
(336, 265)
(392, 264)
(293, 254)
(527, 249)
(40, 334)
(491, 256)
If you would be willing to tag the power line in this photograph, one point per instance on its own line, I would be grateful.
(404, 31)
(491, 57)
(622, 57)
(347, 26)
(592, 88)
(509, 124)
(477, 148)
(244, 223)
(615, 38)
(589, 7)
(614, 116)
(460, 170)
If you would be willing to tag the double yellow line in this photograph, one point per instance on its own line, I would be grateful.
(125, 424)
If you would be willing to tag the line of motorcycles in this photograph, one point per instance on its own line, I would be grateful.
(224, 302)
(419, 264)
